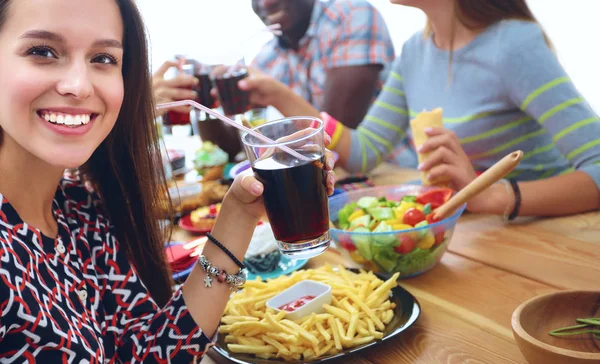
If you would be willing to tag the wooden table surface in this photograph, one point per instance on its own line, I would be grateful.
(491, 267)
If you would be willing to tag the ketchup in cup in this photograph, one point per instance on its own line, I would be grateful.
(296, 304)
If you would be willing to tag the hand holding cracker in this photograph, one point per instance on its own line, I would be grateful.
(425, 120)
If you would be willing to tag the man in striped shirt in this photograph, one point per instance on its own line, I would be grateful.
(333, 53)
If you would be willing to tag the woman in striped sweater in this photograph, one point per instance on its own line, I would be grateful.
(491, 68)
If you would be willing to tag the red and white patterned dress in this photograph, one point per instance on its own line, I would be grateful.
(77, 299)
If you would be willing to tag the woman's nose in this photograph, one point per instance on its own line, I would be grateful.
(76, 82)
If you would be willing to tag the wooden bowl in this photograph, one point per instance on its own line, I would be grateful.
(532, 321)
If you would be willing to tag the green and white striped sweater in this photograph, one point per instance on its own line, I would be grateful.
(508, 91)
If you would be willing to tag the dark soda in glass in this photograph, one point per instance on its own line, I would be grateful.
(295, 196)
(233, 100)
(291, 167)
(203, 89)
(176, 118)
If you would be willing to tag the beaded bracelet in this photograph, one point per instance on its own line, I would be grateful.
(512, 188)
(226, 251)
(235, 281)
(517, 191)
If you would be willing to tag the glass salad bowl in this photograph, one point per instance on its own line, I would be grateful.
(391, 229)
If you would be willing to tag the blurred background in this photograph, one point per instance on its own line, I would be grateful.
(220, 30)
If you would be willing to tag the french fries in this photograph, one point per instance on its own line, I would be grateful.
(359, 311)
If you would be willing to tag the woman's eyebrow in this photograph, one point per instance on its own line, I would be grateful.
(108, 43)
(49, 36)
(42, 34)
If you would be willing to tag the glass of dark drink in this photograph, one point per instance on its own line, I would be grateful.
(204, 87)
(176, 118)
(225, 79)
(173, 117)
(295, 191)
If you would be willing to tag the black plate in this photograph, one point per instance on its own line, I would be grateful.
(405, 315)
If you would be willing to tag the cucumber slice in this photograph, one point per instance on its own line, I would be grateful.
(382, 213)
(367, 202)
(361, 221)
(384, 239)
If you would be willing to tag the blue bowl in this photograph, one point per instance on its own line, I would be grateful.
(391, 252)
(337, 191)
(239, 168)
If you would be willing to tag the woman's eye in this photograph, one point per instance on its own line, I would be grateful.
(42, 52)
(104, 59)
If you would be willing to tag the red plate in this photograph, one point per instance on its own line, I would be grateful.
(186, 224)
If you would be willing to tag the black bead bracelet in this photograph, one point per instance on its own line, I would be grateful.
(226, 251)
(517, 191)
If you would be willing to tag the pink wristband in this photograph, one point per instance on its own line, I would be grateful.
(333, 128)
(330, 123)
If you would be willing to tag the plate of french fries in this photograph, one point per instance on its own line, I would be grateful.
(364, 311)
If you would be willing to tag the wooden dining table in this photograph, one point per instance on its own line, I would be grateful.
(491, 267)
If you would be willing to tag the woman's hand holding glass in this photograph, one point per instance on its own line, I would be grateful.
(246, 191)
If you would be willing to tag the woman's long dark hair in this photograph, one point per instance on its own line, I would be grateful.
(479, 14)
(126, 170)
(483, 13)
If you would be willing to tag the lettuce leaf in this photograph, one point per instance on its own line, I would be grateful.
(345, 213)
(419, 260)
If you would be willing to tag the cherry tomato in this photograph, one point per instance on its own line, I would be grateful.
(439, 237)
(413, 216)
(436, 229)
(436, 197)
(407, 245)
(347, 244)
(431, 219)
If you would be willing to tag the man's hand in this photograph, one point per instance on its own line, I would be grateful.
(178, 88)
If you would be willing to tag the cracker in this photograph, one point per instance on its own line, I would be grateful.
(424, 120)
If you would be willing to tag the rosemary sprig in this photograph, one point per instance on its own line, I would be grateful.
(586, 326)
(589, 321)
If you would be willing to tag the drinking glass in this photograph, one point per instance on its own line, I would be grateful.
(173, 117)
(225, 78)
(203, 89)
(295, 190)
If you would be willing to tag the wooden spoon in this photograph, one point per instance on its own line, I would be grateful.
(495, 173)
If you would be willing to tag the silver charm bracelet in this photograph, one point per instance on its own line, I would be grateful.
(235, 281)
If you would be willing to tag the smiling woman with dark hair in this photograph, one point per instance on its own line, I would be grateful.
(82, 264)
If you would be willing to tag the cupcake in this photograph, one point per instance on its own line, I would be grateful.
(262, 255)
(204, 217)
(210, 161)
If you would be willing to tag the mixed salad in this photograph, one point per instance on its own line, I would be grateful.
(394, 249)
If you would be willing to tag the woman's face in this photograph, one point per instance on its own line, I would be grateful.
(60, 76)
